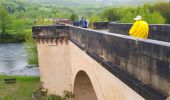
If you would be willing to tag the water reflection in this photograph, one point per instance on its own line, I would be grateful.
(12, 57)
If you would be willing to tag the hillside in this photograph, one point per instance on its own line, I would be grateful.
(94, 2)
(81, 3)
(62, 7)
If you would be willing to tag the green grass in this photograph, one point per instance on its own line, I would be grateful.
(21, 90)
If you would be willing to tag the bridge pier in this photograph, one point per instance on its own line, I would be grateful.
(55, 66)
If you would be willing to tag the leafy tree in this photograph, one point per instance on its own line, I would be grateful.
(128, 17)
(5, 19)
(164, 9)
(156, 18)
(19, 26)
(151, 17)
(31, 48)
(95, 19)
(73, 16)
(107, 14)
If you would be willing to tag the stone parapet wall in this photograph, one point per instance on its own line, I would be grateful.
(156, 31)
(57, 33)
(146, 60)
(100, 25)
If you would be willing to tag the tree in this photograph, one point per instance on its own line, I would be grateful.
(164, 9)
(156, 18)
(108, 14)
(153, 17)
(95, 19)
(73, 16)
(5, 19)
(111, 14)
(128, 18)
(19, 26)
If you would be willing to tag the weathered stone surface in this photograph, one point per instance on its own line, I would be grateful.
(156, 31)
(143, 57)
(100, 25)
(51, 33)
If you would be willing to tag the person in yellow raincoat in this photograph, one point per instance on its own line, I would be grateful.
(140, 28)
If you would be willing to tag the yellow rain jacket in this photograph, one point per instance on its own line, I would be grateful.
(139, 29)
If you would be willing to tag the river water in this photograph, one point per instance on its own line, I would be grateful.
(12, 57)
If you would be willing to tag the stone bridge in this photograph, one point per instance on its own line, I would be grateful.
(99, 65)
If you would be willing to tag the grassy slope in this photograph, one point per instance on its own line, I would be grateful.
(21, 90)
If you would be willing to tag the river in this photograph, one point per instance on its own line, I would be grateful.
(13, 60)
(12, 57)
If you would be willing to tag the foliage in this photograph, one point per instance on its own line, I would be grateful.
(42, 21)
(74, 16)
(67, 95)
(5, 19)
(155, 18)
(53, 97)
(19, 26)
(31, 48)
(95, 19)
(126, 14)
(111, 14)
(127, 17)
(11, 38)
(148, 16)
(164, 9)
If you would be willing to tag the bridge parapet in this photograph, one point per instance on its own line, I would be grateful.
(57, 33)
(146, 60)
(156, 31)
(100, 25)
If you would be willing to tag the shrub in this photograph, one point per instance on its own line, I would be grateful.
(31, 48)
(126, 15)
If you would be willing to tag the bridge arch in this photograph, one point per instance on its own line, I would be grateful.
(83, 88)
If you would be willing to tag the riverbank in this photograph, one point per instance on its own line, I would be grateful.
(23, 72)
(21, 90)
(12, 38)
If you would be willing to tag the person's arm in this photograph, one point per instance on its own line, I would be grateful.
(147, 31)
(78, 23)
(133, 29)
